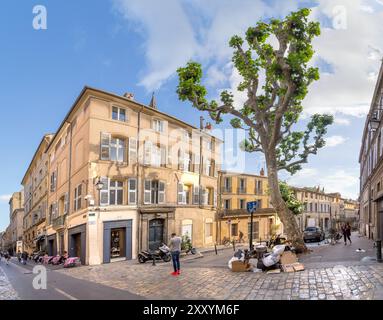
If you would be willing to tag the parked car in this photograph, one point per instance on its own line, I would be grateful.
(313, 233)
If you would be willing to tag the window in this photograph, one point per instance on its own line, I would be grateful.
(208, 167)
(104, 192)
(181, 194)
(210, 196)
(227, 184)
(132, 190)
(112, 148)
(117, 149)
(255, 230)
(147, 153)
(208, 229)
(158, 125)
(242, 185)
(234, 229)
(119, 114)
(53, 181)
(196, 195)
(188, 193)
(77, 198)
(227, 204)
(242, 204)
(116, 192)
(154, 192)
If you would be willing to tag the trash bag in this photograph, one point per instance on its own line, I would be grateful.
(238, 254)
(270, 260)
(279, 249)
(230, 263)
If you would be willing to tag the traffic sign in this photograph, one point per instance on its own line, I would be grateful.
(252, 206)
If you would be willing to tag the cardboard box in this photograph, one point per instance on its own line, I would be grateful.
(298, 267)
(240, 266)
(288, 257)
(274, 271)
(288, 268)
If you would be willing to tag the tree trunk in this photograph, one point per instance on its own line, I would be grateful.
(287, 217)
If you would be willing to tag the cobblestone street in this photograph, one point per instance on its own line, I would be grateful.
(154, 282)
(6, 290)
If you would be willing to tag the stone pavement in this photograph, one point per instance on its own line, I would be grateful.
(6, 290)
(360, 281)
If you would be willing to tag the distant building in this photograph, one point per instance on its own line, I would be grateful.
(16, 216)
(235, 191)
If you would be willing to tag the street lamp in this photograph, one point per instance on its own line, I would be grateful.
(99, 184)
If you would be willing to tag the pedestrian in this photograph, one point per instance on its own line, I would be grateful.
(348, 232)
(19, 256)
(7, 257)
(24, 257)
(175, 249)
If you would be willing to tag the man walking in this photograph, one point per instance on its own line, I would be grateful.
(346, 230)
(175, 249)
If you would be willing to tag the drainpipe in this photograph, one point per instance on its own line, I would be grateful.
(138, 186)
(70, 176)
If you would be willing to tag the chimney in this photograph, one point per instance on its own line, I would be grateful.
(129, 95)
(262, 173)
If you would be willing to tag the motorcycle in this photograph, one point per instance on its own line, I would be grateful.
(57, 260)
(37, 257)
(163, 253)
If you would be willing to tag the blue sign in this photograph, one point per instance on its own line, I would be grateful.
(252, 206)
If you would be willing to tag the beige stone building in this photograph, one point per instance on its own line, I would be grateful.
(123, 176)
(236, 190)
(319, 209)
(16, 215)
(35, 184)
(371, 167)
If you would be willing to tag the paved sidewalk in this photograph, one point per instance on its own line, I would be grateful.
(6, 290)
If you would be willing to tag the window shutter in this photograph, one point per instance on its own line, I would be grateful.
(169, 163)
(104, 192)
(105, 146)
(66, 203)
(148, 192)
(163, 156)
(181, 160)
(161, 192)
(132, 191)
(180, 193)
(148, 153)
(132, 150)
(196, 195)
(215, 196)
(196, 162)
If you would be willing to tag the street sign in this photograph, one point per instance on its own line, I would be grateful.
(252, 206)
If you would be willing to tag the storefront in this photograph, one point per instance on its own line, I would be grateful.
(77, 242)
(52, 245)
(117, 240)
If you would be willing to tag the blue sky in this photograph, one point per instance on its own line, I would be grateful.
(136, 46)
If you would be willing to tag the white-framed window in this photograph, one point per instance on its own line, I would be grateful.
(77, 198)
(112, 148)
(158, 125)
(181, 194)
(158, 156)
(116, 192)
(205, 197)
(181, 160)
(154, 192)
(187, 161)
(196, 162)
(132, 191)
(119, 114)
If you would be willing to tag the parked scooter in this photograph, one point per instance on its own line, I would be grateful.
(37, 257)
(57, 260)
(163, 253)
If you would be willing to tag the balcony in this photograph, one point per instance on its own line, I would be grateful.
(226, 213)
(226, 189)
(241, 190)
(59, 222)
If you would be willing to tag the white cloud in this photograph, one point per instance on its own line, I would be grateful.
(5, 198)
(334, 141)
(342, 121)
(336, 180)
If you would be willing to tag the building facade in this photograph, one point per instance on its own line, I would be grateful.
(16, 216)
(320, 209)
(371, 167)
(236, 190)
(35, 184)
(123, 176)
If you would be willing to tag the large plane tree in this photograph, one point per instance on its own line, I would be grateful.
(273, 61)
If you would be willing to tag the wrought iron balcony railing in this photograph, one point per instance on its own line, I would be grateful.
(59, 222)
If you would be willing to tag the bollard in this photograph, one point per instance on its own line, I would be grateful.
(379, 250)
(215, 248)
(154, 260)
(233, 245)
